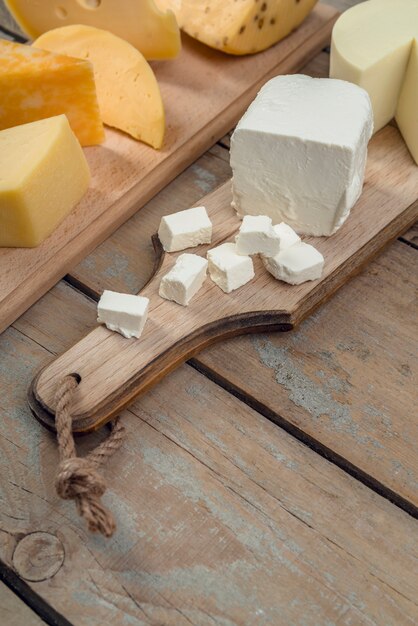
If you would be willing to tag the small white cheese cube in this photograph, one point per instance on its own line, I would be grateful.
(123, 313)
(185, 229)
(184, 279)
(299, 152)
(286, 235)
(228, 269)
(296, 265)
(256, 235)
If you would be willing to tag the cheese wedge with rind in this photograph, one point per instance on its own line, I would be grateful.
(43, 175)
(155, 34)
(127, 90)
(374, 45)
(239, 27)
(36, 84)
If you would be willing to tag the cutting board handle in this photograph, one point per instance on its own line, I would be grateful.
(112, 371)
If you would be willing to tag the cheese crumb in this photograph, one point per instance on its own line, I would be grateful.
(123, 313)
(184, 279)
(185, 229)
(257, 235)
(228, 269)
(296, 264)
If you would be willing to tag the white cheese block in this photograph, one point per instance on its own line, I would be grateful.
(299, 153)
(256, 235)
(296, 265)
(185, 229)
(228, 269)
(123, 313)
(184, 279)
(375, 45)
(287, 236)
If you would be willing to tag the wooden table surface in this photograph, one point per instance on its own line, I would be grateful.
(271, 481)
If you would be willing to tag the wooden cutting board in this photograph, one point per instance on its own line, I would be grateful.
(115, 370)
(205, 93)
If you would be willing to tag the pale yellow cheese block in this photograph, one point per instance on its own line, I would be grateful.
(127, 90)
(155, 34)
(239, 26)
(407, 111)
(43, 175)
(374, 45)
(35, 84)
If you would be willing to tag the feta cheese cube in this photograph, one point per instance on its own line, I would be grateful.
(296, 265)
(256, 235)
(185, 229)
(286, 235)
(299, 153)
(228, 269)
(184, 279)
(123, 313)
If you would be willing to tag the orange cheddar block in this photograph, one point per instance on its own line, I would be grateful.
(36, 84)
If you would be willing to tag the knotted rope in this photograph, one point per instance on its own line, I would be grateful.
(77, 478)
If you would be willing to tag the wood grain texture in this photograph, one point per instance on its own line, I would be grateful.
(223, 518)
(114, 370)
(14, 612)
(205, 92)
(347, 378)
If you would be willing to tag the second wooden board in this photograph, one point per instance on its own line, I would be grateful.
(114, 370)
(205, 92)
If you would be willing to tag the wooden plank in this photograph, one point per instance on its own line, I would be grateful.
(205, 92)
(347, 377)
(225, 521)
(115, 370)
(14, 612)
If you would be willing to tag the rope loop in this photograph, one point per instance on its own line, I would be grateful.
(77, 478)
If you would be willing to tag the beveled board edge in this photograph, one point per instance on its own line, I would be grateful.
(254, 322)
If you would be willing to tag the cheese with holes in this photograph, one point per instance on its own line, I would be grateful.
(375, 45)
(123, 313)
(155, 34)
(184, 279)
(43, 174)
(299, 153)
(239, 27)
(127, 90)
(35, 84)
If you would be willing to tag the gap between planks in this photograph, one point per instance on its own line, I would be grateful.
(31, 599)
(313, 444)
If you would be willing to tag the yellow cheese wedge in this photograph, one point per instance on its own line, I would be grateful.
(239, 27)
(43, 174)
(155, 34)
(35, 84)
(127, 90)
(374, 45)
